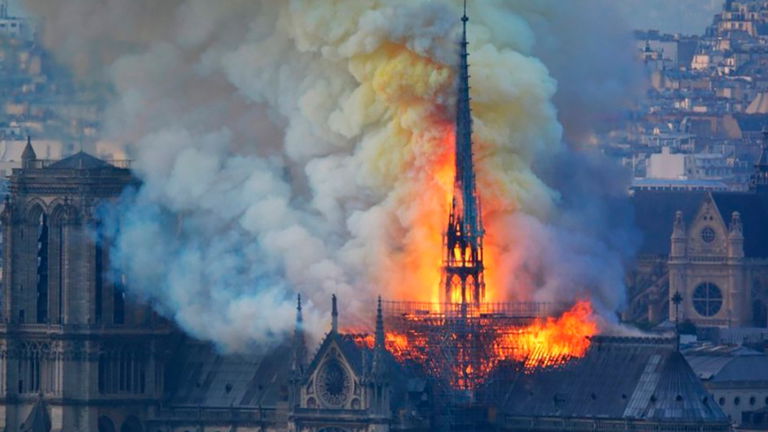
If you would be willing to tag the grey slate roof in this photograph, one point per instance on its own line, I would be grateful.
(744, 369)
(655, 213)
(728, 363)
(203, 377)
(80, 160)
(618, 378)
(346, 343)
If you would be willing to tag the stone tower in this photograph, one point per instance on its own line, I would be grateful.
(77, 354)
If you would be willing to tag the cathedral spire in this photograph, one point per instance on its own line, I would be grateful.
(378, 367)
(463, 263)
(299, 344)
(334, 315)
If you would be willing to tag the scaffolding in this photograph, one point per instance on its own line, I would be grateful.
(460, 344)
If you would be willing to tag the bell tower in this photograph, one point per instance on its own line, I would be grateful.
(72, 342)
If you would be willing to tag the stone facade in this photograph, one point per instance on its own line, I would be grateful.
(70, 340)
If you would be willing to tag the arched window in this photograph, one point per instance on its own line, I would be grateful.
(61, 216)
(42, 268)
(29, 369)
(707, 299)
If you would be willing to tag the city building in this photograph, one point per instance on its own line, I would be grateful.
(736, 377)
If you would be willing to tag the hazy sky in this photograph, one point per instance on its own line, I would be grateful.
(672, 16)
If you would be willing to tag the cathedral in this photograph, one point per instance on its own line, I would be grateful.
(79, 354)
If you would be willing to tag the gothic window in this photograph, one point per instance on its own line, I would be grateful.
(333, 383)
(122, 371)
(707, 299)
(708, 235)
(455, 293)
(29, 369)
(470, 289)
(42, 269)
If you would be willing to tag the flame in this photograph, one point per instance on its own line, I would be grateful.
(545, 343)
(555, 340)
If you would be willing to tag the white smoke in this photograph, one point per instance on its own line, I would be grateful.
(279, 142)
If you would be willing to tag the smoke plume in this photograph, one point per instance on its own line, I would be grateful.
(305, 146)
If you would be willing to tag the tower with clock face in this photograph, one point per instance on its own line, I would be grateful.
(344, 388)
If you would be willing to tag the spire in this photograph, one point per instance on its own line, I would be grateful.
(334, 315)
(463, 263)
(379, 341)
(378, 368)
(465, 170)
(28, 154)
(299, 344)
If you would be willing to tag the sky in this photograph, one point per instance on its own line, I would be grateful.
(670, 16)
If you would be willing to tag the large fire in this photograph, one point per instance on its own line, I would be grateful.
(543, 343)
(553, 341)
(467, 322)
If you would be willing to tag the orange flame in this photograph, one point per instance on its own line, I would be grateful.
(545, 343)
(555, 340)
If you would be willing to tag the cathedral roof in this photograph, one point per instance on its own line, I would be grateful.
(352, 352)
(205, 377)
(655, 212)
(80, 160)
(618, 378)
